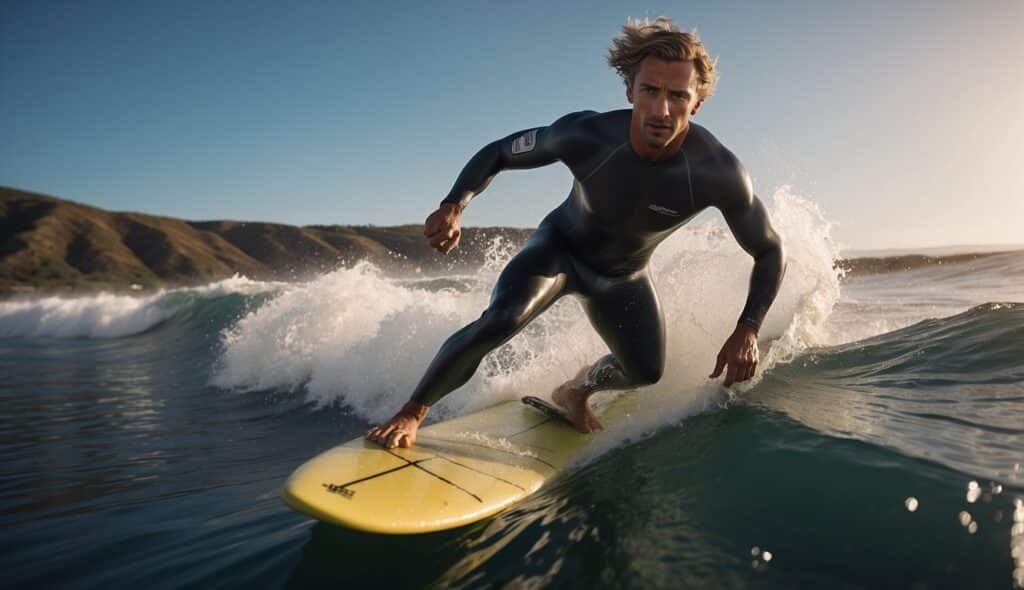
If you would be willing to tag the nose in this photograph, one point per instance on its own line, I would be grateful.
(661, 107)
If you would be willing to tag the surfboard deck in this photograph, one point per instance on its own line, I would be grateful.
(459, 472)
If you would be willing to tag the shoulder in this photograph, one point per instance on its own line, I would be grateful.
(593, 123)
(582, 133)
(732, 186)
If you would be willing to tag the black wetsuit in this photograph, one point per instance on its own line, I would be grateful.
(598, 242)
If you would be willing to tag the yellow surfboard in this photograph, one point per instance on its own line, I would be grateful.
(459, 472)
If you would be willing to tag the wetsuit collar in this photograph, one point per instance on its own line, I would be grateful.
(675, 155)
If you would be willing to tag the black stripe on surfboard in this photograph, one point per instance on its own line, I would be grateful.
(473, 469)
(447, 481)
(490, 448)
(417, 465)
(537, 425)
(335, 486)
(491, 475)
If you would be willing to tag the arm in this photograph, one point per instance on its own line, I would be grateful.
(748, 220)
(752, 229)
(530, 148)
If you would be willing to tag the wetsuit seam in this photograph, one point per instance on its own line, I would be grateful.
(689, 182)
(603, 162)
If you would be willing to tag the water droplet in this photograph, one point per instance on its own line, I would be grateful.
(755, 550)
(911, 503)
(972, 485)
(767, 556)
(997, 488)
(973, 494)
(973, 527)
(965, 517)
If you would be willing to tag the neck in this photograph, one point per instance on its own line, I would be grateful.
(655, 154)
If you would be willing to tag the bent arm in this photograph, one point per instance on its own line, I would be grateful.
(530, 148)
(752, 229)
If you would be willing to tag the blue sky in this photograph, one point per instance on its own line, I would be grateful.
(904, 121)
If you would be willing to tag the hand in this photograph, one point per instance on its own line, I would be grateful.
(740, 354)
(400, 430)
(442, 228)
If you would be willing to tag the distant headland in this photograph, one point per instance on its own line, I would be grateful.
(52, 245)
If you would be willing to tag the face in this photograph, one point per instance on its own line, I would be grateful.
(663, 95)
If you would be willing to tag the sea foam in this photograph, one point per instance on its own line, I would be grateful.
(108, 315)
(360, 339)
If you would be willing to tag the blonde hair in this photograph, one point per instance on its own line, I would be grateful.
(662, 39)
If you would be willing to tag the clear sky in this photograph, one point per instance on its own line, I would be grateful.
(903, 120)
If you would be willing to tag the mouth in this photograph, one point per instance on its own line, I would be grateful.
(659, 128)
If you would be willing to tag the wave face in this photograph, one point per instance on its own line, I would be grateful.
(106, 315)
(949, 390)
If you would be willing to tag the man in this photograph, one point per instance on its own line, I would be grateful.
(639, 175)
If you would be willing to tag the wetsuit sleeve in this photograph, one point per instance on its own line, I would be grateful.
(748, 220)
(530, 148)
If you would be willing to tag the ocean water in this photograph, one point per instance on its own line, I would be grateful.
(144, 440)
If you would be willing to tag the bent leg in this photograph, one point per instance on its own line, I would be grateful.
(531, 282)
(628, 317)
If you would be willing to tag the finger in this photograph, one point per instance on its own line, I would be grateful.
(742, 373)
(405, 441)
(718, 366)
(436, 238)
(750, 372)
(385, 431)
(393, 438)
(439, 238)
(730, 375)
(451, 245)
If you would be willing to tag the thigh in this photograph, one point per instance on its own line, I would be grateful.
(534, 279)
(628, 317)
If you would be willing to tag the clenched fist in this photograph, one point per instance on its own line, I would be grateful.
(442, 228)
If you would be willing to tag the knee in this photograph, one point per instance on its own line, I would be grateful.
(646, 373)
(500, 321)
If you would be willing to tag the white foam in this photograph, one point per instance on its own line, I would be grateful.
(107, 315)
(363, 340)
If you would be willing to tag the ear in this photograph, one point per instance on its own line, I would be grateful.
(629, 93)
(696, 107)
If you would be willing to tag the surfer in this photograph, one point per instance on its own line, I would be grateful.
(639, 174)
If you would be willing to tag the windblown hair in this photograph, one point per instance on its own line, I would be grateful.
(662, 39)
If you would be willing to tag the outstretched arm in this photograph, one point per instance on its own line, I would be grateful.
(748, 220)
(530, 148)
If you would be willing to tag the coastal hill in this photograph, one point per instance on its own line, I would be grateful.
(49, 244)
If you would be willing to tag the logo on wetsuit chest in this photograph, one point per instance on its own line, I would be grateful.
(525, 142)
(663, 210)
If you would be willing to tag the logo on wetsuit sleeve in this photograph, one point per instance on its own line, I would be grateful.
(525, 142)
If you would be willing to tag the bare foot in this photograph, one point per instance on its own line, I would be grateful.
(572, 396)
(400, 430)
